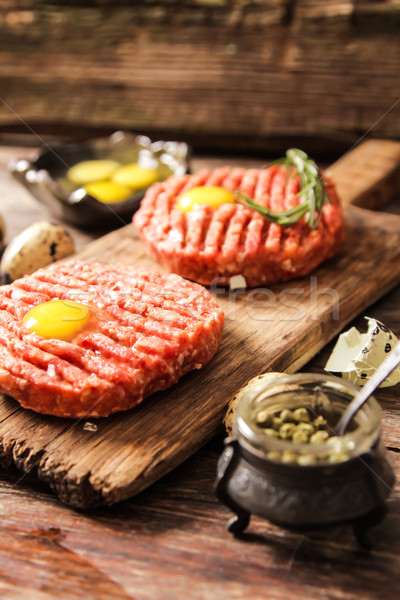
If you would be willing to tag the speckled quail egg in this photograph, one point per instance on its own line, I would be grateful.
(37, 246)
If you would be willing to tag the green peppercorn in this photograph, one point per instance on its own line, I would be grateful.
(300, 437)
(301, 415)
(287, 416)
(306, 460)
(298, 427)
(306, 427)
(271, 432)
(286, 431)
(288, 457)
(320, 422)
(264, 418)
(319, 437)
(276, 423)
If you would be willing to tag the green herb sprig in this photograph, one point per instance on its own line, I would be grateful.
(312, 192)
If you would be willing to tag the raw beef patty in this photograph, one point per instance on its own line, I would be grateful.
(210, 245)
(145, 330)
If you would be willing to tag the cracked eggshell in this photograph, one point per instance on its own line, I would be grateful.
(254, 386)
(37, 246)
(357, 355)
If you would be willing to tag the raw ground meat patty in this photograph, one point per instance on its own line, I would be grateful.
(212, 245)
(146, 330)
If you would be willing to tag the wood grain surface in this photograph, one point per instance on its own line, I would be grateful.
(228, 73)
(266, 329)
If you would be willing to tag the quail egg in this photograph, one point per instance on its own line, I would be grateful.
(37, 246)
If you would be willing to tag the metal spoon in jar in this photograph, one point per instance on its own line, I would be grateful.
(388, 365)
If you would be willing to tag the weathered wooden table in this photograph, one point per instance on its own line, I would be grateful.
(170, 541)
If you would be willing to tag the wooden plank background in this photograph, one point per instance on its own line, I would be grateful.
(230, 74)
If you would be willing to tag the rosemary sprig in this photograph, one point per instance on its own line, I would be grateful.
(312, 192)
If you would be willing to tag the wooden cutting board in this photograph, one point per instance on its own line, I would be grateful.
(281, 328)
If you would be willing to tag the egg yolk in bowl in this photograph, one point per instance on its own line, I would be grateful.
(212, 196)
(135, 176)
(108, 192)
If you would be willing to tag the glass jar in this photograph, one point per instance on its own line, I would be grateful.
(264, 470)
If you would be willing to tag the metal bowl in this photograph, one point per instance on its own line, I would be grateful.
(45, 176)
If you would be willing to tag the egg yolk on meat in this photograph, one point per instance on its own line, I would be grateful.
(135, 176)
(61, 319)
(212, 196)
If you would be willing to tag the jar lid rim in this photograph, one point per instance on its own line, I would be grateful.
(253, 435)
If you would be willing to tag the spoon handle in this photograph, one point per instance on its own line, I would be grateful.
(388, 365)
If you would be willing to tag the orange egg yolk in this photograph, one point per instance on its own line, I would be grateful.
(61, 319)
(212, 196)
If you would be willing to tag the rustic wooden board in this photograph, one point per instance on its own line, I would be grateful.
(266, 329)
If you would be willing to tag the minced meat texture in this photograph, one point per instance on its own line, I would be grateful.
(211, 245)
(146, 330)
